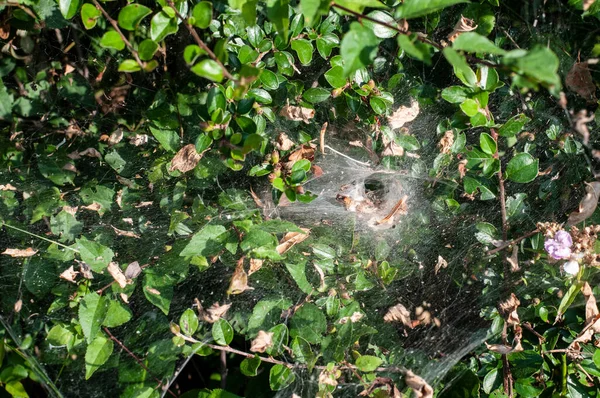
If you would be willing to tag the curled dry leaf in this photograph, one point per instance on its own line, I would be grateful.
(186, 159)
(355, 317)
(508, 309)
(290, 239)
(418, 385)
(587, 4)
(319, 270)
(115, 271)
(579, 79)
(7, 187)
(69, 274)
(399, 209)
(297, 113)
(213, 313)
(499, 348)
(152, 290)
(239, 280)
(124, 297)
(91, 153)
(446, 142)
(322, 137)
(304, 152)
(329, 377)
(382, 382)
(463, 25)
(20, 252)
(399, 313)
(256, 199)
(591, 309)
(588, 204)
(129, 234)
(255, 265)
(18, 305)
(262, 342)
(138, 139)
(133, 270)
(70, 167)
(441, 263)
(580, 122)
(143, 204)
(115, 137)
(283, 142)
(85, 269)
(390, 148)
(404, 115)
(71, 210)
(513, 260)
(95, 206)
(462, 168)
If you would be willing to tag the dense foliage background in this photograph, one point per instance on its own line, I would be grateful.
(148, 150)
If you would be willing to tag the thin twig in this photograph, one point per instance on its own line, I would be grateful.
(512, 242)
(115, 25)
(199, 41)
(136, 358)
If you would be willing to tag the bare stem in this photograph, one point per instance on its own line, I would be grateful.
(512, 242)
(115, 25)
(136, 358)
(199, 41)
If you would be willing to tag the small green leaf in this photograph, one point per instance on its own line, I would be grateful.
(161, 26)
(116, 315)
(202, 13)
(415, 48)
(359, 48)
(359, 5)
(540, 63)
(278, 14)
(188, 322)
(68, 8)
(335, 77)
(206, 242)
(381, 31)
(522, 168)
(222, 332)
(112, 39)
(308, 322)
(487, 144)
(316, 94)
(92, 310)
(326, 43)
(147, 49)
(129, 65)
(97, 256)
(455, 94)
(280, 377)
(249, 366)
(131, 15)
(475, 43)
(304, 49)
(418, 8)
(89, 15)
(408, 142)
(461, 68)
(158, 290)
(96, 354)
(378, 105)
(368, 363)
(513, 126)
(191, 53)
(208, 69)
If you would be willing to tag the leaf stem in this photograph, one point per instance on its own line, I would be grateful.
(38, 236)
(115, 25)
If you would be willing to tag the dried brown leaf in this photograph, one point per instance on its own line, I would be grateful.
(382, 382)
(399, 313)
(418, 385)
(499, 348)
(91, 153)
(18, 305)
(186, 159)
(255, 265)
(239, 280)
(129, 234)
(85, 270)
(115, 137)
(70, 167)
(95, 206)
(446, 142)
(390, 148)
(20, 252)
(322, 137)
(213, 313)
(69, 274)
(441, 263)
(513, 260)
(404, 115)
(256, 199)
(143, 204)
(581, 119)
(591, 308)
(283, 142)
(508, 309)
(152, 290)
(586, 4)
(297, 113)
(133, 270)
(290, 239)
(463, 25)
(138, 139)
(7, 187)
(115, 271)
(579, 79)
(321, 277)
(329, 378)
(262, 342)
(71, 210)
(355, 317)
(588, 204)
(304, 152)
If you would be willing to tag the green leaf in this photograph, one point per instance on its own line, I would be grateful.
(6, 103)
(116, 315)
(222, 332)
(112, 39)
(168, 139)
(99, 194)
(278, 14)
(455, 94)
(359, 48)
(147, 49)
(540, 63)
(335, 77)
(161, 26)
(92, 310)
(487, 144)
(513, 126)
(311, 9)
(249, 366)
(89, 15)
(266, 314)
(326, 43)
(407, 142)
(131, 15)
(415, 48)
(191, 53)
(128, 65)
(59, 336)
(359, 5)
(208, 69)
(202, 13)
(525, 363)
(316, 94)
(94, 254)
(158, 290)
(188, 322)
(280, 377)
(461, 68)
(381, 31)
(206, 242)
(568, 299)
(68, 8)
(378, 105)
(418, 8)
(302, 351)
(96, 354)
(298, 273)
(522, 168)
(368, 363)
(261, 96)
(269, 80)
(308, 322)
(304, 49)
(475, 43)
(66, 226)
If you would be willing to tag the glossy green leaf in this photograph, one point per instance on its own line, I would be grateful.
(418, 8)
(415, 48)
(316, 95)
(117, 314)
(487, 143)
(304, 49)
(89, 15)
(335, 77)
(358, 48)
(191, 53)
(473, 42)
(128, 65)
(455, 94)
(147, 49)
(131, 15)
(513, 126)
(522, 168)
(69, 8)
(249, 366)
(222, 332)
(408, 142)
(280, 377)
(208, 69)
(158, 290)
(161, 26)
(326, 43)
(381, 31)
(92, 310)
(95, 255)
(278, 14)
(112, 39)
(202, 14)
(368, 363)
(188, 322)
(96, 354)
(461, 68)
